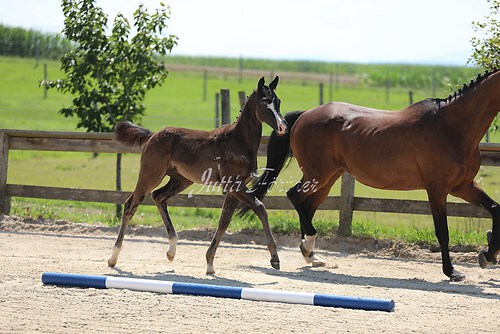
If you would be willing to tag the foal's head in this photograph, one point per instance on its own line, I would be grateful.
(268, 107)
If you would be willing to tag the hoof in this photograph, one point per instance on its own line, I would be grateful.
(319, 262)
(111, 263)
(457, 277)
(172, 248)
(210, 270)
(114, 257)
(483, 263)
(315, 260)
(307, 245)
(275, 265)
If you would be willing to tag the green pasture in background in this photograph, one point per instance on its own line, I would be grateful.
(180, 102)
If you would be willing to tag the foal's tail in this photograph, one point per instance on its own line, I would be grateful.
(131, 135)
(278, 152)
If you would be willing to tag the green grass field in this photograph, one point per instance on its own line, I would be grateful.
(179, 102)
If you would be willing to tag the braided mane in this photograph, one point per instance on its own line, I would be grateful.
(466, 87)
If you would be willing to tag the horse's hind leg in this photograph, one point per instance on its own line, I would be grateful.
(148, 179)
(129, 210)
(473, 194)
(175, 185)
(306, 201)
(228, 208)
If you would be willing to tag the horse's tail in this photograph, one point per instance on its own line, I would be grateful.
(131, 135)
(278, 152)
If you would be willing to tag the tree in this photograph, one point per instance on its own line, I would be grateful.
(486, 51)
(110, 75)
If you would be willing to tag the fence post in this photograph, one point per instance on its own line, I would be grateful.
(243, 99)
(4, 163)
(346, 205)
(225, 106)
(217, 111)
(320, 93)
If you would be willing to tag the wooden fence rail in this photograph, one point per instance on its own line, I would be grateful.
(346, 203)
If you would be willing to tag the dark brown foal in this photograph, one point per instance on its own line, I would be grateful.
(226, 156)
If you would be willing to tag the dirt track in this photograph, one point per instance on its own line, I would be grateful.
(425, 301)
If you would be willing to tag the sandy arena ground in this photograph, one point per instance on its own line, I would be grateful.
(426, 302)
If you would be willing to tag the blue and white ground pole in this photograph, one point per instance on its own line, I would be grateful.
(168, 287)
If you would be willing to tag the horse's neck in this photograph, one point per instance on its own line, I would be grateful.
(470, 115)
(248, 127)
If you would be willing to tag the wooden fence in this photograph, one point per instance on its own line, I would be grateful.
(346, 203)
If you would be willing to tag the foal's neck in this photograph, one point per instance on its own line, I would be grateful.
(248, 125)
(469, 115)
(247, 130)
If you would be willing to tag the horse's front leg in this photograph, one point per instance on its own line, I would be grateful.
(307, 230)
(437, 202)
(306, 196)
(258, 207)
(230, 203)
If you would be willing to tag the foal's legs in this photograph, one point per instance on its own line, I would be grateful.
(230, 203)
(129, 210)
(306, 202)
(175, 185)
(473, 194)
(148, 179)
(258, 207)
(437, 200)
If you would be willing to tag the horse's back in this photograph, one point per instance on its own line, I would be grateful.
(339, 119)
(382, 149)
(334, 120)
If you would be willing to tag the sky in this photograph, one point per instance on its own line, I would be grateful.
(362, 31)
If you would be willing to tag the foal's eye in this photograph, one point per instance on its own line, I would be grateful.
(269, 99)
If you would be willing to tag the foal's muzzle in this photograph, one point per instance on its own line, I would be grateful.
(282, 127)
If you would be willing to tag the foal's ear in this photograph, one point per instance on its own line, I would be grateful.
(261, 83)
(274, 83)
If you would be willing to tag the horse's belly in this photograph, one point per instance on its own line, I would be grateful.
(198, 173)
(393, 179)
(396, 185)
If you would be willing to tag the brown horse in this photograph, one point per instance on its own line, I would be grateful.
(226, 156)
(431, 145)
